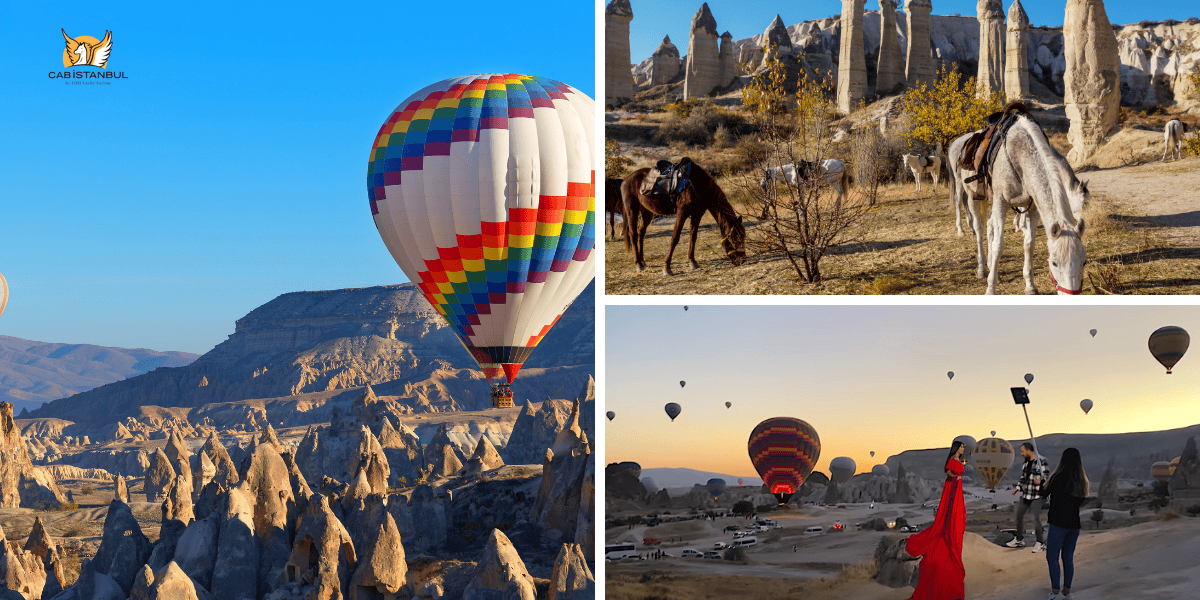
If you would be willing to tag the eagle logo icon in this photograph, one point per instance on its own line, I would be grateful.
(87, 51)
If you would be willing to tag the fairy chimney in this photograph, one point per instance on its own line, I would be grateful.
(889, 73)
(665, 63)
(618, 77)
(703, 67)
(730, 69)
(1016, 59)
(919, 61)
(776, 38)
(1092, 79)
(852, 62)
(991, 46)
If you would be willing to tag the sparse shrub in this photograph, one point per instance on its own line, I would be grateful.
(1191, 144)
(749, 155)
(736, 554)
(892, 284)
(722, 138)
(700, 124)
(87, 490)
(68, 506)
(683, 108)
(616, 164)
(1097, 516)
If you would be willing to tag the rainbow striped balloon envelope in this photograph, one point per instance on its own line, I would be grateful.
(483, 189)
(784, 451)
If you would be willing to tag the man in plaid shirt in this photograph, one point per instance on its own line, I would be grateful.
(1034, 475)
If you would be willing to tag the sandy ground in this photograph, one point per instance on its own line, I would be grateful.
(1162, 195)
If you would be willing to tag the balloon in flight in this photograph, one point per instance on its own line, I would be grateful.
(992, 459)
(842, 468)
(950, 374)
(1168, 345)
(993, 434)
(673, 410)
(881, 470)
(872, 453)
(728, 404)
(715, 487)
(1161, 471)
(682, 383)
(784, 451)
(1028, 378)
(1086, 405)
(610, 414)
(482, 189)
(3, 293)
(1093, 332)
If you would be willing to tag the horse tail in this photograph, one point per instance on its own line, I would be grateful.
(846, 179)
(627, 187)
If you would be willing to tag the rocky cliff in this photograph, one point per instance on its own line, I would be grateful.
(316, 344)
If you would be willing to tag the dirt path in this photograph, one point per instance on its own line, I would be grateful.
(1161, 196)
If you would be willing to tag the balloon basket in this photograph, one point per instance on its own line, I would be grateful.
(502, 396)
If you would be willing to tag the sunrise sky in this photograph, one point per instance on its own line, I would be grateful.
(874, 377)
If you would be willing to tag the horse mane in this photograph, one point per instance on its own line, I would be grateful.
(1047, 153)
(724, 210)
(632, 181)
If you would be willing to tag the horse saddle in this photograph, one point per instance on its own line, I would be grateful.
(980, 149)
(668, 180)
(922, 161)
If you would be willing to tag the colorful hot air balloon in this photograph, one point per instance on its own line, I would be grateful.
(482, 188)
(728, 404)
(682, 383)
(784, 451)
(1174, 464)
(1168, 345)
(881, 470)
(1028, 378)
(1086, 405)
(842, 468)
(715, 487)
(1093, 332)
(3, 293)
(950, 374)
(673, 410)
(610, 414)
(1161, 471)
(992, 459)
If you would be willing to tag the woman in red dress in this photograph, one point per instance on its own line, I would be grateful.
(942, 573)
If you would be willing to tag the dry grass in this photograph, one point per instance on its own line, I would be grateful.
(624, 583)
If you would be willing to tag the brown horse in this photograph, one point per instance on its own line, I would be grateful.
(613, 204)
(701, 195)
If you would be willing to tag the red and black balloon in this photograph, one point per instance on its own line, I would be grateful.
(784, 451)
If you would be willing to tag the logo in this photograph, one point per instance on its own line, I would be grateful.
(86, 50)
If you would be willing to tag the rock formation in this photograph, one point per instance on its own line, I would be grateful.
(919, 60)
(431, 517)
(487, 454)
(728, 59)
(226, 471)
(42, 545)
(235, 573)
(159, 477)
(179, 456)
(22, 572)
(1107, 492)
(535, 430)
(381, 567)
(500, 573)
(889, 74)
(776, 40)
(204, 472)
(563, 472)
(120, 489)
(991, 45)
(1185, 482)
(897, 568)
(323, 555)
(571, 578)
(123, 550)
(371, 459)
(702, 71)
(1092, 80)
(852, 62)
(665, 63)
(1016, 56)
(21, 483)
(618, 81)
(621, 481)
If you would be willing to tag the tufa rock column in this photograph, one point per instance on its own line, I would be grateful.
(665, 63)
(729, 65)
(852, 62)
(618, 77)
(991, 46)
(889, 75)
(1092, 80)
(919, 62)
(703, 68)
(776, 36)
(1016, 60)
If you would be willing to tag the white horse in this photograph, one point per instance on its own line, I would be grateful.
(919, 165)
(1027, 173)
(1173, 137)
(831, 172)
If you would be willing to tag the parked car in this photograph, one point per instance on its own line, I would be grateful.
(691, 553)
(746, 541)
(720, 545)
(712, 554)
(653, 523)
(814, 530)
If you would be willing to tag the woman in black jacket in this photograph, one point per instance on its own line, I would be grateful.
(1067, 490)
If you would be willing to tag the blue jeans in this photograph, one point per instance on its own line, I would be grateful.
(1061, 540)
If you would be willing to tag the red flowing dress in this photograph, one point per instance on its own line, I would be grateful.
(942, 572)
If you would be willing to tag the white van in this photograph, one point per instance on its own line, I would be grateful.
(817, 530)
(691, 553)
(746, 541)
(619, 551)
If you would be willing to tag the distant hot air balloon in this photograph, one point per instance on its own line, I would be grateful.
(715, 487)
(682, 383)
(610, 414)
(728, 404)
(950, 374)
(842, 468)
(881, 470)
(1168, 345)
(673, 410)
(784, 451)
(3, 293)
(1028, 378)
(969, 445)
(739, 482)
(992, 459)
(1093, 332)
(872, 453)
(1161, 471)
(1086, 405)
(1174, 464)
(685, 309)
(482, 188)
(993, 434)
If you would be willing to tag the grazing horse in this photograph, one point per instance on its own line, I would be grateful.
(1027, 173)
(831, 172)
(1173, 137)
(613, 204)
(924, 164)
(701, 195)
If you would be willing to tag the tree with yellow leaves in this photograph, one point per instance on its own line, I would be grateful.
(616, 164)
(949, 109)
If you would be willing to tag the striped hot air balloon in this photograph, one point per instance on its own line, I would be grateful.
(992, 459)
(482, 188)
(784, 451)
(1168, 345)
(1161, 471)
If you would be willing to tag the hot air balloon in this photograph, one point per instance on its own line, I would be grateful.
(610, 414)
(1028, 378)
(728, 404)
(685, 309)
(881, 470)
(950, 374)
(993, 434)
(1086, 405)
(1168, 345)
(1161, 471)
(682, 383)
(650, 485)
(872, 453)
(482, 188)
(784, 451)
(3, 293)
(715, 487)
(1174, 464)
(969, 445)
(673, 410)
(1093, 332)
(992, 459)
(842, 468)
(739, 482)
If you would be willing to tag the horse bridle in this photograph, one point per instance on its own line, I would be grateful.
(1059, 288)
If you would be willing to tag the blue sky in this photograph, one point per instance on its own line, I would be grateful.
(230, 166)
(873, 378)
(652, 19)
